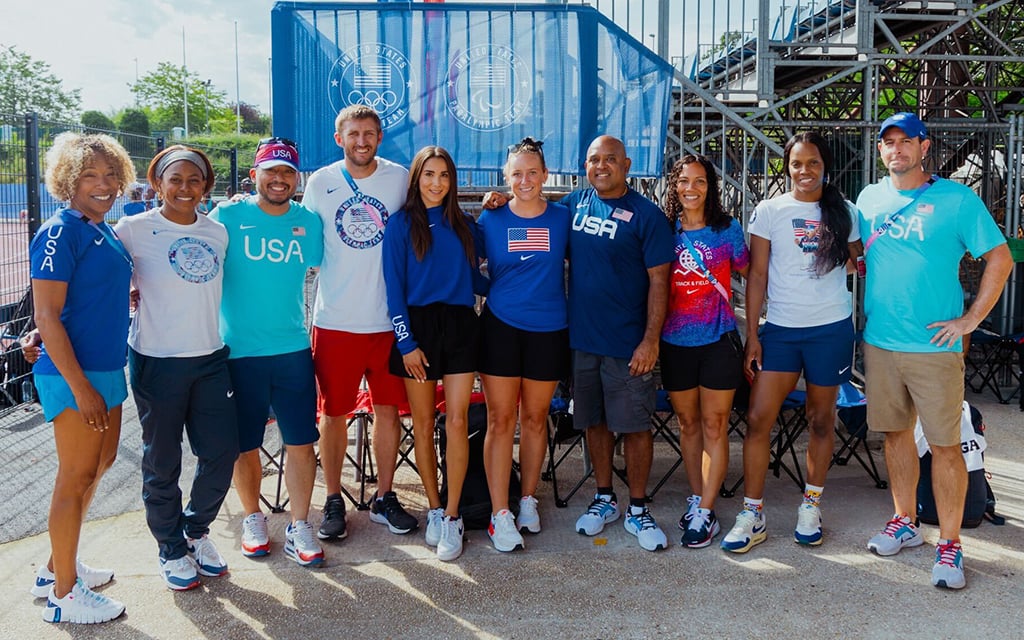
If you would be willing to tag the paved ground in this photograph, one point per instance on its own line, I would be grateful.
(378, 585)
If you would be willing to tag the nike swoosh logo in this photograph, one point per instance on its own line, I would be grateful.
(243, 227)
(231, 394)
(844, 370)
(583, 206)
(474, 433)
(525, 258)
(98, 241)
(690, 292)
(330, 191)
(432, 225)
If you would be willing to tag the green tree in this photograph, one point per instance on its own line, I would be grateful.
(253, 121)
(28, 85)
(134, 121)
(97, 120)
(163, 91)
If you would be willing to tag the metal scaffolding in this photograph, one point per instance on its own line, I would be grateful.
(753, 72)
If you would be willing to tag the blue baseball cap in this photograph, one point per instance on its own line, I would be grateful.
(908, 122)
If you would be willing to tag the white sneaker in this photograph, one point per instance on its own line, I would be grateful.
(602, 510)
(528, 520)
(948, 571)
(255, 537)
(433, 533)
(208, 560)
(898, 533)
(300, 544)
(180, 574)
(90, 577)
(642, 525)
(449, 545)
(808, 525)
(750, 529)
(81, 605)
(502, 531)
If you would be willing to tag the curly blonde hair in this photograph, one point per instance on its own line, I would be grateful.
(72, 152)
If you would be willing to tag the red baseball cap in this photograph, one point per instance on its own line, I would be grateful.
(275, 152)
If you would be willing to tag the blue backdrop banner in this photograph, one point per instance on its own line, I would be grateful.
(471, 78)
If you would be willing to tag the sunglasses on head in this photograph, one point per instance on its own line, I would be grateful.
(534, 146)
(276, 139)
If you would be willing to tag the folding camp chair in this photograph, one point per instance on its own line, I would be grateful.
(274, 465)
(361, 459)
(790, 425)
(852, 431)
(562, 433)
(661, 421)
(993, 363)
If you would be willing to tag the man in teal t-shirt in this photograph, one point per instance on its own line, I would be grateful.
(272, 244)
(916, 228)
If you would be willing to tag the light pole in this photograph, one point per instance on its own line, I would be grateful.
(206, 96)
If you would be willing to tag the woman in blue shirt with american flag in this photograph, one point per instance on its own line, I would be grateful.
(524, 348)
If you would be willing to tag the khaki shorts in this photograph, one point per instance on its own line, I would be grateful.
(901, 386)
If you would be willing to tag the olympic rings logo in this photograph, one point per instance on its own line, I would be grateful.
(362, 230)
(197, 266)
(379, 101)
(193, 260)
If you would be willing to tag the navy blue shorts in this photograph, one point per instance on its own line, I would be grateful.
(824, 353)
(283, 382)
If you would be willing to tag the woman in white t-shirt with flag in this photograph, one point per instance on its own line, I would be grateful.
(800, 245)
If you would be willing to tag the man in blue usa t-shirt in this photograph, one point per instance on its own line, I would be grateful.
(620, 247)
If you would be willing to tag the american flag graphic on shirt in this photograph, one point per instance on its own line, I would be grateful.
(528, 239)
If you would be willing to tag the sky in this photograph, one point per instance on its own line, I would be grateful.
(98, 46)
(95, 46)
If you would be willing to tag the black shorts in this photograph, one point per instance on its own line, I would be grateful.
(516, 353)
(448, 335)
(718, 365)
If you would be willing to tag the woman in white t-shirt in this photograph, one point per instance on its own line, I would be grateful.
(800, 245)
(178, 363)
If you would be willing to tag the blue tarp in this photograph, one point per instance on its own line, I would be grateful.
(473, 79)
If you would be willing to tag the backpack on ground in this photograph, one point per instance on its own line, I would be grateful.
(475, 503)
(980, 503)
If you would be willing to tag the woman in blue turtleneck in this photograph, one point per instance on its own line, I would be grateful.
(430, 267)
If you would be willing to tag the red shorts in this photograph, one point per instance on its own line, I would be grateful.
(341, 360)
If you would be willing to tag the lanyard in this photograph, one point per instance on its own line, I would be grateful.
(891, 220)
(108, 234)
(700, 263)
(359, 195)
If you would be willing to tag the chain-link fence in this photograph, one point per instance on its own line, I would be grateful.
(25, 204)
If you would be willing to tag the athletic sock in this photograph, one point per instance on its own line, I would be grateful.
(750, 504)
(812, 494)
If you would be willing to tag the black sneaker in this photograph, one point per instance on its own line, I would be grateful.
(387, 510)
(702, 527)
(333, 525)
